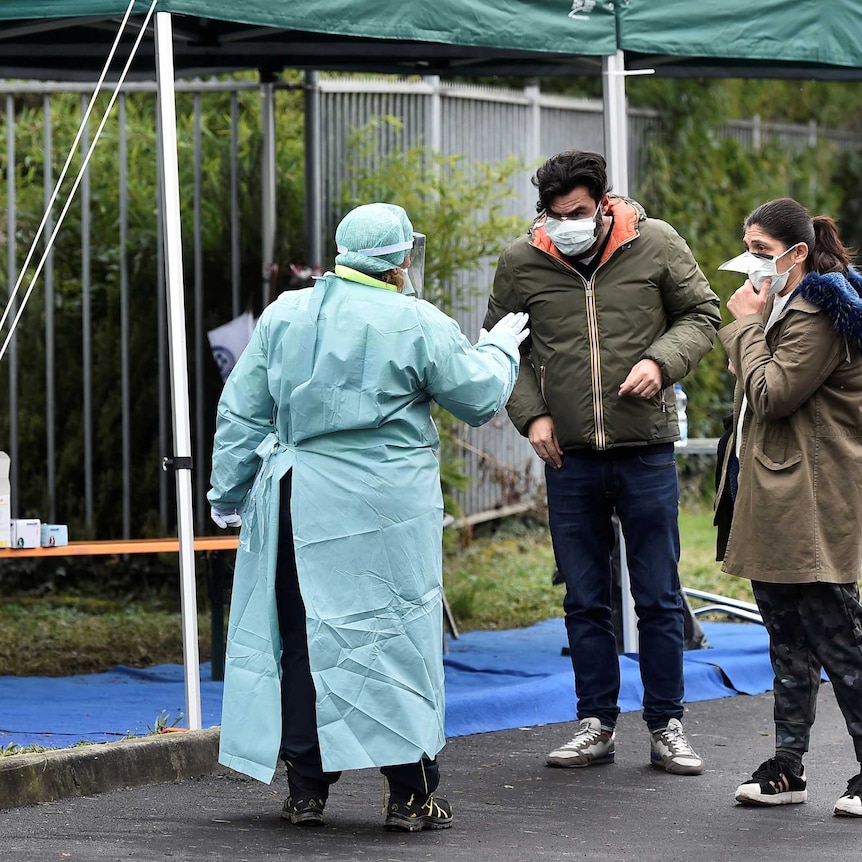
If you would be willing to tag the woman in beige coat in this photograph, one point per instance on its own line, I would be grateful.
(794, 468)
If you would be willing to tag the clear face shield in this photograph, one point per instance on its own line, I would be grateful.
(413, 265)
(416, 265)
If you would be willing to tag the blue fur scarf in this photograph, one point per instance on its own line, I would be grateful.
(840, 297)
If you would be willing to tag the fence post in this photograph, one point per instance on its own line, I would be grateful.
(435, 115)
(533, 94)
(267, 185)
(313, 175)
(12, 275)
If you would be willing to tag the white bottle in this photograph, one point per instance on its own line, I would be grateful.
(5, 503)
(681, 403)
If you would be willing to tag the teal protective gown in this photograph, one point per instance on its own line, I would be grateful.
(336, 385)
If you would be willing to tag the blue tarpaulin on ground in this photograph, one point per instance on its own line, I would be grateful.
(494, 681)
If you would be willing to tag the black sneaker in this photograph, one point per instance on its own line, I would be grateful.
(411, 815)
(850, 802)
(773, 783)
(307, 811)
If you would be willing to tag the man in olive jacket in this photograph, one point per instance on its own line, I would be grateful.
(619, 311)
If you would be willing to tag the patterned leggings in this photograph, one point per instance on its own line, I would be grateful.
(812, 626)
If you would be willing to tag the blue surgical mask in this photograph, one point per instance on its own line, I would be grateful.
(573, 236)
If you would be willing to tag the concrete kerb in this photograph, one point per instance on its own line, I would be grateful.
(26, 779)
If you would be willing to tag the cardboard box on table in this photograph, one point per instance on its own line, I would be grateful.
(26, 533)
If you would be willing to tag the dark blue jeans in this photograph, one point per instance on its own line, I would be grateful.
(644, 492)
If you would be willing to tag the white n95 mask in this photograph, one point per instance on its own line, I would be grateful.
(759, 267)
(573, 236)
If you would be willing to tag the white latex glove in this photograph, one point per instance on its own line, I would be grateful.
(226, 519)
(514, 324)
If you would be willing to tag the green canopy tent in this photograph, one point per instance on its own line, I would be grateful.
(69, 39)
(739, 39)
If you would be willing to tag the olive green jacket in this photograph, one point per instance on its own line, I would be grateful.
(647, 299)
(798, 510)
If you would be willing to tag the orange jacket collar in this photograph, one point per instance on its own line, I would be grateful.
(625, 228)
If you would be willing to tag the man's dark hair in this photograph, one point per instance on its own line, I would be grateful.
(566, 171)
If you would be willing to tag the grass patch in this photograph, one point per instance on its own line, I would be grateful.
(500, 580)
(11, 748)
(503, 580)
(698, 568)
(56, 637)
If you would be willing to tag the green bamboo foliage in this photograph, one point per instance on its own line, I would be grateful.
(104, 301)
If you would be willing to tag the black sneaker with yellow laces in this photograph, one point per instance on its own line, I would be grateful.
(413, 814)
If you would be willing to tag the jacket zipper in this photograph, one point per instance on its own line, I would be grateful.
(595, 364)
(595, 352)
(595, 356)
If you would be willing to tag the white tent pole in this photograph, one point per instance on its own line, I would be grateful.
(617, 155)
(616, 121)
(179, 365)
(630, 618)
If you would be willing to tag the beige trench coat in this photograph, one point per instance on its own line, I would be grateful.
(798, 512)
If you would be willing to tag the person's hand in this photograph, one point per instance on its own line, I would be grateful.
(225, 519)
(643, 381)
(730, 367)
(746, 300)
(514, 324)
(543, 438)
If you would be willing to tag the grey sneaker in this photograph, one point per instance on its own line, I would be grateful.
(670, 751)
(589, 745)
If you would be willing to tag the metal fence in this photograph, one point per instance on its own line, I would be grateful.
(486, 124)
(481, 124)
(50, 311)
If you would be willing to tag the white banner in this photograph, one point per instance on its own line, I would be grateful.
(228, 341)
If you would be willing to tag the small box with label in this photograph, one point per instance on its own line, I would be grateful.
(26, 532)
(54, 535)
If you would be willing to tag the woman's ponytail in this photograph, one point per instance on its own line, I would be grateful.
(829, 253)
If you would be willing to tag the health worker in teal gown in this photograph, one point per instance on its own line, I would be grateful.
(325, 453)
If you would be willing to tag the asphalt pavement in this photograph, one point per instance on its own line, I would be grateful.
(508, 805)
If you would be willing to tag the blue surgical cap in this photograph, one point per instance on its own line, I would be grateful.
(374, 238)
